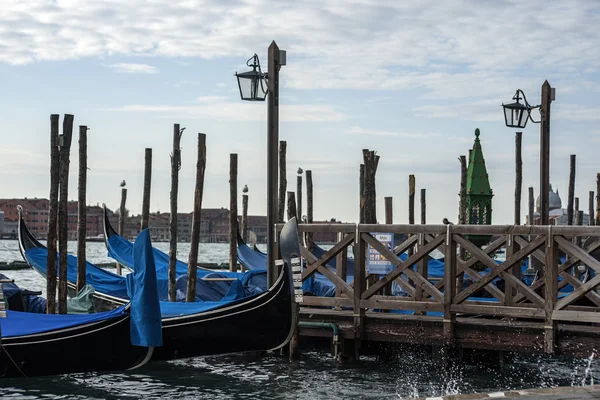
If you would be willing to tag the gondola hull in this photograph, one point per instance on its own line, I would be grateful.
(99, 346)
(260, 323)
(255, 323)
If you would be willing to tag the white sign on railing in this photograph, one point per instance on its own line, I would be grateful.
(376, 263)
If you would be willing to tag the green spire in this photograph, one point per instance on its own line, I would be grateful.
(477, 176)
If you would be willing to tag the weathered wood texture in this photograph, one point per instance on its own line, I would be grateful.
(389, 216)
(175, 167)
(81, 209)
(371, 162)
(411, 199)
(122, 217)
(467, 320)
(299, 195)
(63, 214)
(309, 207)
(361, 193)
(291, 205)
(591, 208)
(597, 199)
(530, 206)
(233, 212)
(147, 187)
(571, 190)
(282, 180)
(518, 176)
(423, 206)
(244, 232)
(196, 219)
(52, 215)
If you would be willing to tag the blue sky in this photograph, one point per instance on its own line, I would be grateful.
(410, 80)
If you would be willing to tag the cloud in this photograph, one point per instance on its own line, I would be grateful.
(219, 108)
(134, 68)
(482, 110)
(462, 48)
(355, 130)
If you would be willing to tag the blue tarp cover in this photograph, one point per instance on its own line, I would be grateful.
(21, 323)
(145, 322)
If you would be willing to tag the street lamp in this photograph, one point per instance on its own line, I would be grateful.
(516, 115)
(252, 84)
(253, 87)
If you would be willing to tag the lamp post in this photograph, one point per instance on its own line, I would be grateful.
(253, 87)
(516, 115)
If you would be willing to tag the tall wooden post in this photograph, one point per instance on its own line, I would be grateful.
(299, 195)
(309, 207)
(545, 153)
(245, 213)
(597, 199)
(282, 181)
(462, 211)
(388, 210)
(361, 190)
(411, 199)
(52, 216)
(423, 206)
(591, 208)
(518, 176)
(63, 211)
(530, 208)
(122, 217)
(175, 167)
(81, 210)
(291, 205)
(371, 161)
(571, 190)
(196, 219)
(147, 183)
(233, 212)
(272, 142)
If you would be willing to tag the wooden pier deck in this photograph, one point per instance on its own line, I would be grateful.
(540, 318)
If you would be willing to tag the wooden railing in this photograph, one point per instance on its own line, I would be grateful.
(543, 300)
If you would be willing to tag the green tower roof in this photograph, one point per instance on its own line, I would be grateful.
(477, 177)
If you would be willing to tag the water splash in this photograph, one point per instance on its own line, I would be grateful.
(587, 371)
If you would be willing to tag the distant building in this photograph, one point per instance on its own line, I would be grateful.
(556, 215)
(1, 223)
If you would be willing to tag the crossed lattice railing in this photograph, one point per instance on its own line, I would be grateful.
(477, 286)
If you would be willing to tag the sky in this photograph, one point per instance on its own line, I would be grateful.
(411, 80)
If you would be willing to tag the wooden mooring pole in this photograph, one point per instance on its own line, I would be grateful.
(196, 219)
(371, 161)
(282, 181)
(81, 209)
(361, 195)
(122, 216)
(309, 207)
(147, 184)
(233, 212)
(175, 167)
(597, 199)
(63, 211)
(530, 206)
(571, 190)
(518, 176)
(389, 217)
(245, 213)
(423, 206)
(299, 196)
(591, 209)
(52, 216)
(462, 211)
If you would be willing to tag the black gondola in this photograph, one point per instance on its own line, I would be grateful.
(256, 323)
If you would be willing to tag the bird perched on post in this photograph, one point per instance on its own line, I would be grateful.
(245, 189)
(446, 222)
(122, 183)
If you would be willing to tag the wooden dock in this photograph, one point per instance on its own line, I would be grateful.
(539, 318)
(559, 393)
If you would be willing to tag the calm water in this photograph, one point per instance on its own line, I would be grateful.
(315, 376)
